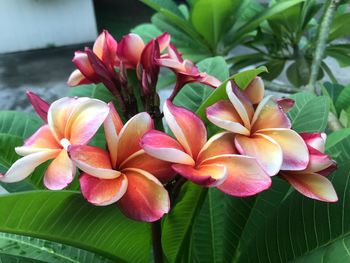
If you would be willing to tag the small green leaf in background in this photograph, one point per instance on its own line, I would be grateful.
(343, 100)
(340, 27)
(338, 144)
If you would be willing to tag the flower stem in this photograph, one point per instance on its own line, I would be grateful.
(156, 241)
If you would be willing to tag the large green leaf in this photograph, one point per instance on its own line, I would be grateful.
(146, 31)
(17, 259)
(310, 113)
(97, 91)
(160, 5)
(340, 27)
(343, 100)
(338, 144)
(65, 217)
(46, 251)
(193, 95)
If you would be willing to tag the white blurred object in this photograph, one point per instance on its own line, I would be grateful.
(33, 24)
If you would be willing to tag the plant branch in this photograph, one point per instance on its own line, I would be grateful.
(157, 242)
(323, 33)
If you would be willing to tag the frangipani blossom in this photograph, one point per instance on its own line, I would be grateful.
(263, 132)
(312, 182)
(185, 70)
(125, 173)
(70, 121)
(209, 163)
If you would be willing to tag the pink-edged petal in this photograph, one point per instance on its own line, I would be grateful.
(295, 152)
(245, 177)
(164, 147)
(85, 119)
(60, 172)
(105, 47)
(82, 62)
(241, 103)
(221, 143)
(130, 49)
(112, 126)
(24, 166)
(93, 161)
(145, 199)
(286, 104)
(224, 115)
(269, 115)
(319, 161)
(40, 106)
(187, 127)
(255, 90)
(131, 134)
(77, 78)
(208, 175)
(102, 192)
(172, 64)
(316, 140)
(164, 41)
(312, 185)
(141, 160)
(41, 139)
(267, 152)
(209, 80)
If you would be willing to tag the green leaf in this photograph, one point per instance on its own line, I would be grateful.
(192, 95)
(310, 113)
(45, 251)
(146, 31)
(340, 27)
(17, 259)
(338, 145)
(163, 5)
(209, 18)
(65, 217)
(96, 91)
(274, 67)
(242, 79)
(343, 100)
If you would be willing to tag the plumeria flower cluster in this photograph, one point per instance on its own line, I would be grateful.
(140, 160)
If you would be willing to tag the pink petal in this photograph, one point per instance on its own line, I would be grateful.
(105, 47)
(93, 161)
(164, 147)
(245, 177)
(316, 140)
(174, 54)
(295, 152)
(24, 166)
(209, 80)
(241, 103)
(255, 90)
(76, 78)
(102, 192)
(145, 199)
(131, 134)
(286, 104)
(319, 162)
(82, 62)
(40, 106)
(130, 49)
(60, 172)
(221, 143)
(41, 139)
(205, 175)
(187, 127)
(312, 185)
(267, 152)
(172, 64)
(112, 126)
(224, 115)
(141, 160)
(269, 115)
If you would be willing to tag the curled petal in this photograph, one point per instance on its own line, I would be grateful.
(255, 90)
(269, 115)
(245, 177)
(241, 103)
(224, 115)
(145, 199)
(172, 64)
(41, 139)
(164, 147)
(286, 104)
(60, 172)
(206, 175)
(131, 134)
(295, 152)
(102, 192)
(312, 185)
(316, 140)
(105, 47)
(82, 62)
(187, 127)
(24, 166)
(112, 126)
(93, 161)
(141, 160)
(130, 49)
(319, 162)
(209, 80)
(174, 54)
(164, 41)
(267, 152)
(221, 143)
(40, 106)
(76, 78)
